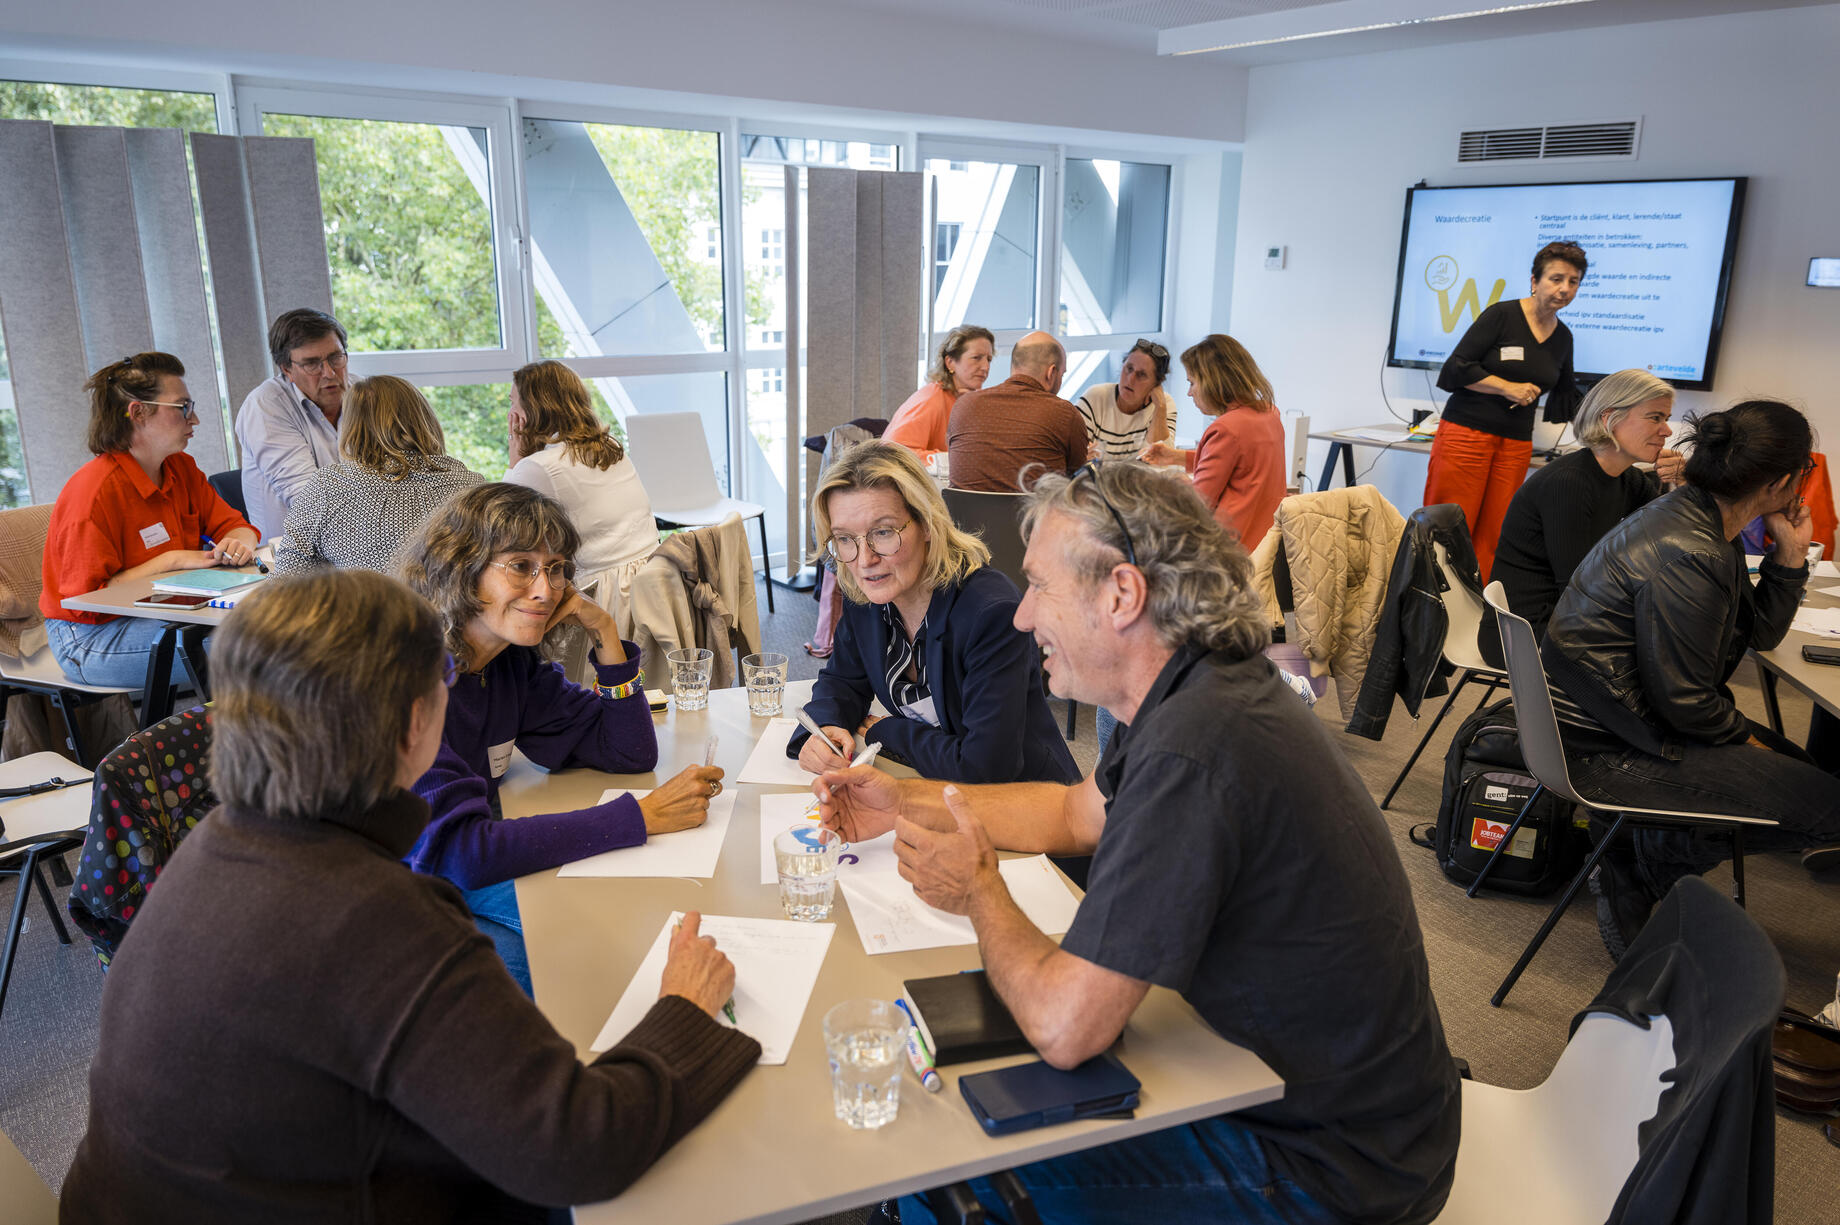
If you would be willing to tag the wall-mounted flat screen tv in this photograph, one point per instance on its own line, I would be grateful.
(1660, 252)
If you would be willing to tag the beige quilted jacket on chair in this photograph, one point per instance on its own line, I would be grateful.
(1339, 545)
(696, 591)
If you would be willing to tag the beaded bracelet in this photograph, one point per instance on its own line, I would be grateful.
(616, 692)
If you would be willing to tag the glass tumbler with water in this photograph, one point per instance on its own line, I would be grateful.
(866, 1040)
(765, 675)
(807, 859)
(690, 667)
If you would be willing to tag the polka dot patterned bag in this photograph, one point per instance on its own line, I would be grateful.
(151, 791)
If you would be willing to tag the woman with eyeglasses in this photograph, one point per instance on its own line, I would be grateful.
(1239, 467)
(928, 629)
(497, 562)
(1123, 418)
(140, 509)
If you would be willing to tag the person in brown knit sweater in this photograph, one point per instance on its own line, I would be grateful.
(300, 1028)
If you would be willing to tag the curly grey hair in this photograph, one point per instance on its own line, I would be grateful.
(1199, 578)
(1609, 402)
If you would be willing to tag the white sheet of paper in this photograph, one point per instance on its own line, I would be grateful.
(689, 852)
(890, 918)
(768, 763)
(782, 812)
(776, 965)
(1822, 621)
(1825, 569)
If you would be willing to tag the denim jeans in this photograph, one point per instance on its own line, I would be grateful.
(1739, 779)
(113, 654)
(1213, 1170)
(495, 912)
(1104, 724)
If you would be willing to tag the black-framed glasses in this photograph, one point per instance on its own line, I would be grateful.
(882, 541)
(450, 670)
(1091, 468)
(523, 573)
(313, 365)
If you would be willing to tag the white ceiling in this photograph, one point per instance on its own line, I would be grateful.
(1135, 24)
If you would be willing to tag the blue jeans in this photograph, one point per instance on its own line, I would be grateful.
(1104, 724)
(1739, 779)
(1213, 1170)
(495, 912)
(112, 654)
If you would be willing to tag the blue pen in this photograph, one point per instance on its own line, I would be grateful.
(918, 1057)
(208, 543)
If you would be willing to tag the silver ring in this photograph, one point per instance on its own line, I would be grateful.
(715, 789)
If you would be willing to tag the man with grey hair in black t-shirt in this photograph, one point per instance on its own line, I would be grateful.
(1237, 859)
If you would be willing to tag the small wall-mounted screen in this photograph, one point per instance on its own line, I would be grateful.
(1824, 272)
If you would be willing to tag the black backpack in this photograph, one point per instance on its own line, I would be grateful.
(1485, 786)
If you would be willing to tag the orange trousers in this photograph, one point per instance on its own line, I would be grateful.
(1480, 473)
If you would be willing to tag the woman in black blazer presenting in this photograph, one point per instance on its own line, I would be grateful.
(1515, 352)
(928, 629)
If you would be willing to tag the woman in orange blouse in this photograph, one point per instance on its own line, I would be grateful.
(1239, 466)
(964, 363)
(140, 509)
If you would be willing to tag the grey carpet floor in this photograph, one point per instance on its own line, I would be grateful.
(48, 1031)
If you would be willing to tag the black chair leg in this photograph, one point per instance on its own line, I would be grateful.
(157, 696)
(1425, 739)
(1506, 840)
(1771, 711)
(955, 1205)
(15, 924)
(1073, 710)
(766, 560)
(192, 651)
(1737, 864)
(73, 737)
(1552, 920)
(44, 895)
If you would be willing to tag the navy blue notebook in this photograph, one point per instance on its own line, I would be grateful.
(1035, 1094)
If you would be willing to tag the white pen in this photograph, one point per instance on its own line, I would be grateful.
(861, 759)
(709, 751)
(811, 725)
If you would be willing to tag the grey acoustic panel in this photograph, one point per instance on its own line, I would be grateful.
(236, 281)
(798, 531)
(831, 305)
(290, 231)
(174, 276)
(870, 397)
(105, 247)
(903, 280)
(38, 310)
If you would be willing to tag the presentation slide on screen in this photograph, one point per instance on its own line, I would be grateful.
(1646, 302)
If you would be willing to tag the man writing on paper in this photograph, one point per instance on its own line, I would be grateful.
(1237, 859)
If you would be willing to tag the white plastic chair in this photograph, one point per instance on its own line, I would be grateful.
(37, 827)
(1559, 1154)
(672, 458)
(35, 670)
(1464, 612)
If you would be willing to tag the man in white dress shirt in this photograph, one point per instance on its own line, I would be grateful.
(288, 428)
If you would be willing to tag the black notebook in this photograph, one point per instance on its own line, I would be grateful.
(961, 1018)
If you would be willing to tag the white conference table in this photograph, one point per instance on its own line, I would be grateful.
(1383, 436)
(773, 1151)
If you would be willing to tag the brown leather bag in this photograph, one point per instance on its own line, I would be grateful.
(1805, 1055)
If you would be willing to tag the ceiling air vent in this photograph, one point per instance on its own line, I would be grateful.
(1612, 141)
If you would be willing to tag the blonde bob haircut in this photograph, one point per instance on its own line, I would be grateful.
(1610, 401)
(1225, 374)
(952, 553)
(557, 408)
(388, 426)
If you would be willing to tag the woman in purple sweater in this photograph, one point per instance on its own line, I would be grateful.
(496, 563)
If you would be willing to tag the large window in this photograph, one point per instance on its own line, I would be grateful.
(104, 106)
(1114, 219)
(986, 223)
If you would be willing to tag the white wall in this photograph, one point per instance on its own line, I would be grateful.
(1332, 145)
(786, 53)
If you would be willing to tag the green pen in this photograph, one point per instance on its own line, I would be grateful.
(728, 1010)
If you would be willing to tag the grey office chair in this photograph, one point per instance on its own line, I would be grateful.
(1545, 756)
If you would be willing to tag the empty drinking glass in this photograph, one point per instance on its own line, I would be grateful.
(807, 859)
(866, 1039)
(690, 668)
(765, 676)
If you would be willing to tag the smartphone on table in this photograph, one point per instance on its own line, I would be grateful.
(1815, 654)
(172, 599)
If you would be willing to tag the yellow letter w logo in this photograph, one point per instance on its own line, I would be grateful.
(1453, 315)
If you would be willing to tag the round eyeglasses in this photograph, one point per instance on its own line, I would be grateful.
(882, 541)
(523, 573)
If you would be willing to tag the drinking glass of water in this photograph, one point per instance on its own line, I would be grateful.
(807, 859)
(690, 667)
(866, 1040)
(765, 675)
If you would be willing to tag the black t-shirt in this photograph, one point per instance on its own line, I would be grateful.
(1557, 518)
(1501, 343)
(1244, 865)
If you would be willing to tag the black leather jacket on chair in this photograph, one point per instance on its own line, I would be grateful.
(1409, 643)
(1658, 617)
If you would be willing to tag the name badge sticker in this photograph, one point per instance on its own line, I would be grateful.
(154, 536)
(499, 757)
(1513, 353)
(923, 710)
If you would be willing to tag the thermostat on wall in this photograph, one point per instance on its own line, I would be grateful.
(1274, 258)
